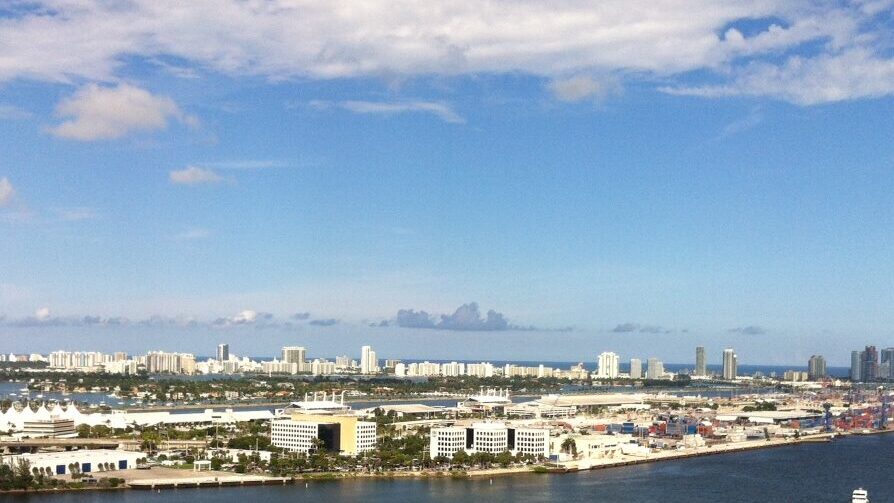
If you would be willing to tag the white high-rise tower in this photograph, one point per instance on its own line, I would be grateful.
(369, 363)
(295, 354)
(701, 365)
(608, 365)
(730, 364)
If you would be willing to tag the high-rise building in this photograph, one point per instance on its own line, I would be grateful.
(295, 354)
(223, 352)
(654, 368)
(869, 364)
(608, 365)
(816, 368)
(701, 364)
(887, 358)
(730, 364)
(636, 368)
(856, 366)
(159, 362)
(369, 363)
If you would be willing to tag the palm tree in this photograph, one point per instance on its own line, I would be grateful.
(569, 446)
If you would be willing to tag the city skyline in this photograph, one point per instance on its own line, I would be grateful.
(587, 186)
(392, 349)
(606, 364)
(295, 360)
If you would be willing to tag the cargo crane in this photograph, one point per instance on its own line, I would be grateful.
(883, 415)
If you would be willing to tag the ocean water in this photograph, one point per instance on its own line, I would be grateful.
(816, 473)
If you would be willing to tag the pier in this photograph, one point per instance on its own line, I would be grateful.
(216, 481)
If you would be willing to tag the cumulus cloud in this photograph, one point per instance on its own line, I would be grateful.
(328, 322)
(246, 317)
(42, 314)
(42, 317)
(631, 39)
(194, 175)
(104, 113)
(467, 317)
(748, 330)
(438, 109)
(409, 318)
(7, 192)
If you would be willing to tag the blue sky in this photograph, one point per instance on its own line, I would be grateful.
(628, 178)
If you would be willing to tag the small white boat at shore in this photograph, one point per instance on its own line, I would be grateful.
(860, 496)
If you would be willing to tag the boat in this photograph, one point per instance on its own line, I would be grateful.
(860, 496)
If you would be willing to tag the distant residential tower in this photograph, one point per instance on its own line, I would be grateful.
(636, 368)
(223, 352)
(730, 364)
(701, 366)
(816, 368)
(608, 365)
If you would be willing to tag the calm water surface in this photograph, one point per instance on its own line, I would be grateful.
(816, 473)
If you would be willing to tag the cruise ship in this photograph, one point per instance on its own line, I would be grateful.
(860, 496)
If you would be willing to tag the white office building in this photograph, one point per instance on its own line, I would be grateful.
(489, 437)
(346, 435)
(447, 441)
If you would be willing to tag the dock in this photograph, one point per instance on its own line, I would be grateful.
(193, 482)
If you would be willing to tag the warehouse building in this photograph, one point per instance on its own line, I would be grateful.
(80, 461)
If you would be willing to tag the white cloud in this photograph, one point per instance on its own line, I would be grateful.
(582, 88)
(750, 121)
(103, 113)
(42, 314)
(7, 192)
(246, 317)
(438, 109)
(194, 175)
(68, 40)
(853, 74)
